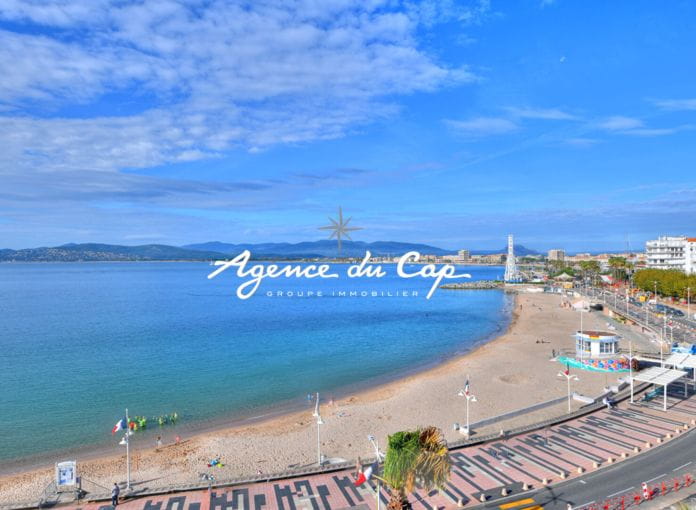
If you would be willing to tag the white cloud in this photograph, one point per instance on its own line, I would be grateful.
(482, 126)
(581, 141)
(620, 123)
(205, 76)
(540, 113)
(655, 131)
(677, 104)
(636, 127)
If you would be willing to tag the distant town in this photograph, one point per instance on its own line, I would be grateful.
(665, 252)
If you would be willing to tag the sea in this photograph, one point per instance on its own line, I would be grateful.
(81, 342)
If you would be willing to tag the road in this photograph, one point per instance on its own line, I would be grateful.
(679, 329)
(667, 462)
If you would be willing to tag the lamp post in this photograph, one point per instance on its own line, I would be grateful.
(630, 366)
(469, 398)
(568, 376)
(320, 422)
(125, 441)
(380, 457)
(628, 299)
(662, 337)
(582, 339)
(688, 303)
(128, 432)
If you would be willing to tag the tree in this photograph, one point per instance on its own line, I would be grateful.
(589, 268)
(415, 458)
(670, 282)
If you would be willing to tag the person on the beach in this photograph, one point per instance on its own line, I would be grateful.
(114, 495)
(159, 442)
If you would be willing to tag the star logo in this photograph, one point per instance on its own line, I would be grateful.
(340, 228)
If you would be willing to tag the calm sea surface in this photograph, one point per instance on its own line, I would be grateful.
(79, 342)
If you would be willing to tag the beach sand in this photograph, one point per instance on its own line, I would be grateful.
(506, 374)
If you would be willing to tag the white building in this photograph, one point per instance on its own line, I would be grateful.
(556, 255)
(669, 252)
(463, 256)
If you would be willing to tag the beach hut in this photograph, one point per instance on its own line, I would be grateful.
(596, 344)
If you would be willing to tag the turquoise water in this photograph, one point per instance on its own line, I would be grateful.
(79, 342)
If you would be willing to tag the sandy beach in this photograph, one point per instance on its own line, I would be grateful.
(511, 372)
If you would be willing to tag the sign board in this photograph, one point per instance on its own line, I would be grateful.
(66, 474)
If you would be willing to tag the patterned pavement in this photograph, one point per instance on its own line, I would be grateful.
(544, 456)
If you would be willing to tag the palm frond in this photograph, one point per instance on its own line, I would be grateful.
(418, 457)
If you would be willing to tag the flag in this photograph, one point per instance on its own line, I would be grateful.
(121, 425)
(364, 475)
(466, 388)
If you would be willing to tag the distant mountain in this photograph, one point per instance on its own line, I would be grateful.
(91, 252)
(323, 248)
(520, 251)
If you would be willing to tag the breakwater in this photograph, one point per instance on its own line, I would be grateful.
(477, 285)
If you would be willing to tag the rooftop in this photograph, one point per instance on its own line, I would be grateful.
(658, 375)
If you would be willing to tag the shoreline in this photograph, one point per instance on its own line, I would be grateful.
(260, 415)
(514, 362)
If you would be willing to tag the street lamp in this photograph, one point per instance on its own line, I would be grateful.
(566, 373)
(469, 398)
(628, 299)
(380, 457)
(320, 422)
(630, 366)
(688, 303)
(663, 332)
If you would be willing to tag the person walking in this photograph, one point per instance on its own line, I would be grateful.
(159, 443)
(114, 495)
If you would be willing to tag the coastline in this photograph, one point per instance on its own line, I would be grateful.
(274, 442)
(263, 414)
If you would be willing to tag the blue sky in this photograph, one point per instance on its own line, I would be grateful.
(570, 124)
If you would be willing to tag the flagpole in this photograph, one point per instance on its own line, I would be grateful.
(128, 479)
(630, 366)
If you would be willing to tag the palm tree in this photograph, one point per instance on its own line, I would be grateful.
(417, 458)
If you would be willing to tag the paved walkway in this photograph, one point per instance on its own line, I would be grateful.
(559, 452)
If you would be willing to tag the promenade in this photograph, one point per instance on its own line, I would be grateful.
(556, 454)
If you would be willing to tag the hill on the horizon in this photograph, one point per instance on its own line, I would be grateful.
(322, 248)
(93, 252)
(87, 252)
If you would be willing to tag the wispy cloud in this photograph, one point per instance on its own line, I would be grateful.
(620, 123)
(218, 76)
(482, 126)
(655, 131)
(632, 126)
(581, 141)
(676, 104)
(540, 113)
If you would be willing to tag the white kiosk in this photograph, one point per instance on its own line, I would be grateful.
(596, 344)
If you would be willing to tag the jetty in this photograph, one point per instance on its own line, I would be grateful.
(478, 285)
